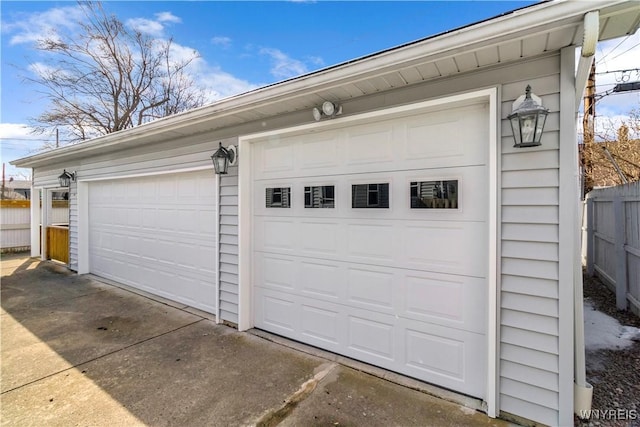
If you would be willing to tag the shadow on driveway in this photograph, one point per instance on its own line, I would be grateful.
(76, 351)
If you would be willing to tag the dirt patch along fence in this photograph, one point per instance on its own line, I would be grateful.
(611, 241)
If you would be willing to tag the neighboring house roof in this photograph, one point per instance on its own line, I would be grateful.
(514, 36)
(16, 184)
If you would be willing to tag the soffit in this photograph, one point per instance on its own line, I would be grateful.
(522, 34)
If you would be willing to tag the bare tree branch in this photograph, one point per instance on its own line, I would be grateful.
(108, 78)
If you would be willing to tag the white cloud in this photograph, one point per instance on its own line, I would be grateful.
(316, 60)
(221, 41)
(212, 79)
(153, 27)
(42, 70)
(167, 17)
(283, 66)
(29, 28)
(16, 130)
(146, 26)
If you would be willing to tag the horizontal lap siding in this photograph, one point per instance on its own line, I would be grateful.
(529, 330)
(229, 246)
(73, 227)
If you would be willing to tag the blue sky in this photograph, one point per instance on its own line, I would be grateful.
(243, 45)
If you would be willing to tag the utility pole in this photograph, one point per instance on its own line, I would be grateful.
(588, 129)
(589, 106)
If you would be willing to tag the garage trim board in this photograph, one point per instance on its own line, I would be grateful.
(250, 203)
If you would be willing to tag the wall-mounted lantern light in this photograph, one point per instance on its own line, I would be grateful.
(527, 120)
(66, 178)
(223, 158)
(328, 109)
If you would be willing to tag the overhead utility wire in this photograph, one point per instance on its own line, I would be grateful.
(611, 51)
(632, 47)
(618, 71)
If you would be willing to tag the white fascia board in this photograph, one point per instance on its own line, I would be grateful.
(516, 23)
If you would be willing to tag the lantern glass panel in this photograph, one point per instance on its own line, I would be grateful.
(515, 128)
(542, 117)
(220, 164)
(528, 127)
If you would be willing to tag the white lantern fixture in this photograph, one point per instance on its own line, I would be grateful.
(66, 178)
(527, 120)
(223, 158)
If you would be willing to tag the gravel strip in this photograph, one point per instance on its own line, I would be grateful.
(614, 374)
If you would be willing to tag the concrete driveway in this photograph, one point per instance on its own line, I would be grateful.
(77, 351)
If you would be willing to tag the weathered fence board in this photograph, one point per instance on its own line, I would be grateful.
(611, 241)
(58, 243)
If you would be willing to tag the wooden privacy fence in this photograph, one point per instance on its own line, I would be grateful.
(58, 243)
(611, 241)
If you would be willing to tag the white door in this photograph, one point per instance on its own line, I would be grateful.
(372, 241)
(157, 233)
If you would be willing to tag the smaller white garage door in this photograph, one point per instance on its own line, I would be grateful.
(157, 233)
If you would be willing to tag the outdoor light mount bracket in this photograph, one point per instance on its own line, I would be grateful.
(233, 155)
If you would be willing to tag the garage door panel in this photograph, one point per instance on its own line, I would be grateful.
(369, 288)
(442, 299)
(156, 233)
(368, 145)
(321, 279)
(446, 247)
(320, 324)
(440, 139)
(437, 246)
(397, 277)
(431, 352)
(371, 241)
(318, 153)
(451, 358)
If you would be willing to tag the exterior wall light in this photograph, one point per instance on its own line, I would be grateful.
(527, 120)
(328, 109)
(66, 178)
(223, 158)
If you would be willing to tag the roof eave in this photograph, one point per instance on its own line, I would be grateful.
(517, 22)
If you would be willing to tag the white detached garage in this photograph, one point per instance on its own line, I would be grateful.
(406, 232)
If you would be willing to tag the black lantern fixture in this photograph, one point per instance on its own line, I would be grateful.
(223, 158)
(66, 178)
(527, 121)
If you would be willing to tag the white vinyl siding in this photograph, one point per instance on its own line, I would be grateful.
(229, 246)
(73, 226)
(529, 347)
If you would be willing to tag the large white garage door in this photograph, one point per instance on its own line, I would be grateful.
(372, 241)
(157, 233)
